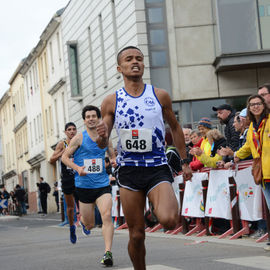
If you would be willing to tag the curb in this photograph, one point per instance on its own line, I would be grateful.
(7, 218)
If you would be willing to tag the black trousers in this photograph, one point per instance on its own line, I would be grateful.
(43, 201)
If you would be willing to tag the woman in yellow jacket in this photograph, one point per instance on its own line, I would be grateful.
(216, 141)
(258, 140)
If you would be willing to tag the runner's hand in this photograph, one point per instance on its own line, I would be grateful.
(187, 172)
(102, 129)
(81, 171)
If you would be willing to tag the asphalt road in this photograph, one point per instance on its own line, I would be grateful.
(37, 243)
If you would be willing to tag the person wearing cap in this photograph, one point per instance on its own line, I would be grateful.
(264, 91)
(225, 114)
(241, 124)
(204, 127)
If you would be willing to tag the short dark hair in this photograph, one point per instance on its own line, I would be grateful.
(41, 178)
(265, 108)
(266, 85)
(69, 124)
(124, 49)
(91, 108)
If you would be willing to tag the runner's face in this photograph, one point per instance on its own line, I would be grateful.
(91, 119)
(70, 132)
(131, 63)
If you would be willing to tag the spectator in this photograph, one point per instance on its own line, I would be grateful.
(258, 141)
(44, 189)
(216, 141)
(204, 126)
(56, 195)
(4, 195)
(20, 200)
(196, 140)
(188, 142)
(225, 114)
(264, 91)
(240, 124)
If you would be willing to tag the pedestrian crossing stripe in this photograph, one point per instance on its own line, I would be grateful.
(258, 262)
(154, 267)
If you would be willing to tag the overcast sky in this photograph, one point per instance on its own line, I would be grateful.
(21, 24)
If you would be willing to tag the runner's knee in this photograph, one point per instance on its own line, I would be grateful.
(137, 237)
(168, 221)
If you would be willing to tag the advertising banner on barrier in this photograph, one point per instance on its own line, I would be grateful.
(250, 196)
(218, 195)
(175, 185)
(115, 202)
(193, 197)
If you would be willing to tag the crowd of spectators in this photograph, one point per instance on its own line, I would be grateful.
(14, 201)
(246, 136)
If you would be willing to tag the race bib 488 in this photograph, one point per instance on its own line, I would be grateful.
(93, 165)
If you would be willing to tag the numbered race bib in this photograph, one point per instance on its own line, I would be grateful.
(136, 140)
(93, 165)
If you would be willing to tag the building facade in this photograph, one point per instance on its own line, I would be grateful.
(9, 176)
(193, 49)
(20, 130)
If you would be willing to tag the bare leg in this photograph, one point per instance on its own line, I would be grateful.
(104, 204)
(87, 211)
(70, 208)
(133, 206)
(165, 205)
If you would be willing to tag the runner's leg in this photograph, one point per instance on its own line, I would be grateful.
(87, 211)
(70, 208)
(133, 206)
(165, 205)
(104, 204)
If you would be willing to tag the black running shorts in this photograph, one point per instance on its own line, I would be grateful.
(68, 185)
(90, 195)
(143, 178)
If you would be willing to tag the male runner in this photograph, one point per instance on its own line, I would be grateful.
(91, 179)
(138, 112)
(67, 177)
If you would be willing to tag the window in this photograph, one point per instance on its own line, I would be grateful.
(59, 47)
(243, 25)
(51, 54)
(155, 15)
(158, 43)
(159, 59)
(157, 36)
(192, 111)
(74, 70)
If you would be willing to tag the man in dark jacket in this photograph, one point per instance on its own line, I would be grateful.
(20, 199)
(44, 189)
(225, 114)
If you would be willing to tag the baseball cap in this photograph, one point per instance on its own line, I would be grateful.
(243, 113)
(223, 107)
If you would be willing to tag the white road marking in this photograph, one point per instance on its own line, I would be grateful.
(258, 262)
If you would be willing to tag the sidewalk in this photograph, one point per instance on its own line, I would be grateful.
(51, 216)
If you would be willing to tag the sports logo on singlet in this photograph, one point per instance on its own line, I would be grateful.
(149, 101)
(93, 165)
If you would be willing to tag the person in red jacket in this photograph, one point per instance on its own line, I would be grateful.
(196, 139)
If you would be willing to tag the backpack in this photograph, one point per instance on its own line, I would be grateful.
(48, 188)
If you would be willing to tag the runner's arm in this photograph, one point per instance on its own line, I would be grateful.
(69, 151)
(105, 126)
(59, 150)
(176, 130)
